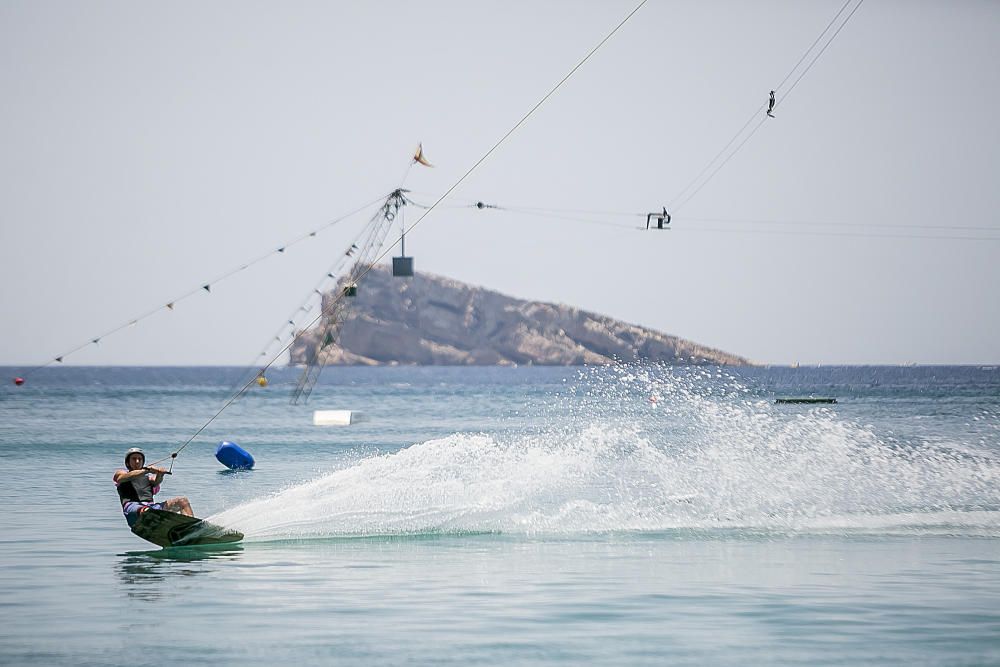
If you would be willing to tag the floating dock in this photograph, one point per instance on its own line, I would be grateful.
(334, 417)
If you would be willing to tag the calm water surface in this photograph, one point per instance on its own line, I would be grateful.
(512, 516)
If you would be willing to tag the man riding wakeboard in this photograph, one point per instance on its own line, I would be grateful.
(138, 483)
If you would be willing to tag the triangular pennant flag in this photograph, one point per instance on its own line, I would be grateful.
(96, 341)
(59, 359)
(312, 233)
(170, 305)
(207, 288)
(419, 156)
(282, 249)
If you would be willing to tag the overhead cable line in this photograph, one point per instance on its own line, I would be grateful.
(674, 202)
(756, 113)
(685, 195)
(813, 61)
(520, 122)
(677, 206)
(482, 204)
(557, 216)
(561, 214)
(750, 221)
(812, 46)
(758, 230)
(789, 232)
(461, 180)
(573, 215)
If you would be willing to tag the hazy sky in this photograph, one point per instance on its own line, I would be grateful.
(149, 147)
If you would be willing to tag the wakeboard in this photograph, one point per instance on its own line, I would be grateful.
(170, 529)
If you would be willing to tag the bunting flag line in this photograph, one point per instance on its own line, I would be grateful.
(207, 287)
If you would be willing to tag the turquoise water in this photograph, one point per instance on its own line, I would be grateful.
(512, 516)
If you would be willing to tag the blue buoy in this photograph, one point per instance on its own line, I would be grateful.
(233, 456)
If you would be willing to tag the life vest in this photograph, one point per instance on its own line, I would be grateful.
(137, 490)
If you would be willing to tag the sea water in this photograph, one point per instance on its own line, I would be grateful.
(625, 515)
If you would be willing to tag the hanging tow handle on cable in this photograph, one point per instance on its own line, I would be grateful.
(172, 457)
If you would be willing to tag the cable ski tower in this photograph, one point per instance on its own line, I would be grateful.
(335, 307)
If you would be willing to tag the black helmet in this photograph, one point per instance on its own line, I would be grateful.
(134, 450)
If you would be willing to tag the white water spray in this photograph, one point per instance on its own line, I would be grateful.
(704, 455)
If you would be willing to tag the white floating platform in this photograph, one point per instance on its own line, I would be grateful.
(335, 417)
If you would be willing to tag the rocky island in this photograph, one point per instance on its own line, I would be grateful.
(431, 320)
